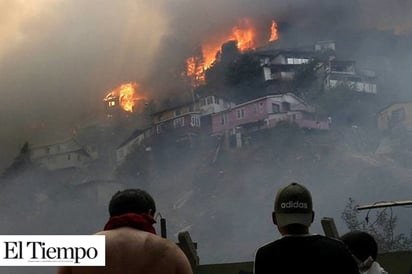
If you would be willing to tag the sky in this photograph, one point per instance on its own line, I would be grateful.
(59, 58)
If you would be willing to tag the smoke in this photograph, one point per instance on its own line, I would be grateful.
(59, 59)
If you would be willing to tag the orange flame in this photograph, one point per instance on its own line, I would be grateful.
(126, 94)
(195, 70)
(244, 34)
(273, 32)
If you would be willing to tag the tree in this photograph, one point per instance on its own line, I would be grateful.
(215, 75)
(382, 228)
(244, 69)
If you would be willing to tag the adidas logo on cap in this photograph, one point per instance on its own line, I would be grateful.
(294, 204)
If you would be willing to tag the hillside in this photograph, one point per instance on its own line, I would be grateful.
(226, 204)
(223, 199)
(224, 195)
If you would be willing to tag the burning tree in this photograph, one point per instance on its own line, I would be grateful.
(243, 34)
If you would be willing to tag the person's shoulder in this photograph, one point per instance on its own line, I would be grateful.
(328, 241)
(133, 238)
(332, 241)
(151, 244)
(268, 247)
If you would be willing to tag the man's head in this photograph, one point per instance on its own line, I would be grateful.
(293, 206)
(131, 201)
(361, 244)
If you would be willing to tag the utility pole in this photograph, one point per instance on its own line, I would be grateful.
(384, 204)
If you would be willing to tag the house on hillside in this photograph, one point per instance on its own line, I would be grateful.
(283, 65)
(326, 45)
(210, 105)
(65, 154)
(138, 138)
(395, 116)
(267, 112)
(192, 116)
(344, 73)
(183, 122)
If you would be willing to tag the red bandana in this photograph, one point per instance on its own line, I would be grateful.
(139, 221)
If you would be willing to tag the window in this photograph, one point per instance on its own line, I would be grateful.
(209, 100)
(195, 121)
(261, 107)
(255, 108)
(297, 61)
(179, 122)
(159, 129)
(177, 112)
(69, 156)
(275, 108)
(285, 106)
(240, 114)
(223, 118)
(398, 115)
(111, 103)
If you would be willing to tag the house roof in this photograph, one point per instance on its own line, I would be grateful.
(347, 62)
(345, 76)
(324, 42)
(177, 116)
(284, 67)
(188, 103)
(356, 77)
(394, 103)
(287, 52)
(132, 136)
(265, 97)
(77, 151)
(64, 141)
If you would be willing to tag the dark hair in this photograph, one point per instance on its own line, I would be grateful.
(131, 201)
(361, 244)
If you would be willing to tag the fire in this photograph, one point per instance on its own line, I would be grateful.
(244, 33)
(273, 32)
(195, 70)
(126, 95)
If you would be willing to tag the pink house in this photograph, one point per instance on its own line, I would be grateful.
(266, 112)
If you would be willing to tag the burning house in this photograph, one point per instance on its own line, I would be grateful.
(244, 35)
(124, 101)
